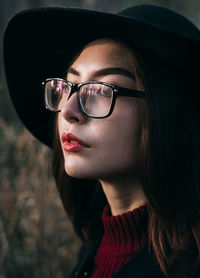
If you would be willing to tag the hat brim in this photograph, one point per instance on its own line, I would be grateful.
(40, 43)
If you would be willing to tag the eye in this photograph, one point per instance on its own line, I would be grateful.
(106, 91)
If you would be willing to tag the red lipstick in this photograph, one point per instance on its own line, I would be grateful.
(71, 143)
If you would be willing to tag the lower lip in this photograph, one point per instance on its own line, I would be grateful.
(72, 147)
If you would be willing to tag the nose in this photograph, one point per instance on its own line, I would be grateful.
(71, 111)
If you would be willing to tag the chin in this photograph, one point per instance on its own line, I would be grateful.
(76, 174)
(78, 171)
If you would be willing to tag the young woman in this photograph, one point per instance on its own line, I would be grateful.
(122, 117)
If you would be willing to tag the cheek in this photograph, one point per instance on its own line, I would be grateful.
(118, 143)
(125, 126)
(121, 145)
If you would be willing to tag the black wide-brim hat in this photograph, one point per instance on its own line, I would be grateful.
(40, 43)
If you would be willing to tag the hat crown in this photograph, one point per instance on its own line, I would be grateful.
(162, 18)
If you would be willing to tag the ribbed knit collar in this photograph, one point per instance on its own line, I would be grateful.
(124, 234)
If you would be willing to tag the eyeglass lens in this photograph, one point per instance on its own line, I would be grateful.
(95, 99)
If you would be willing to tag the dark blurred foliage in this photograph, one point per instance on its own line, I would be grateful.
(36, 237)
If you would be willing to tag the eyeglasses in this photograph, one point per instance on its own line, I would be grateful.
(95, 99)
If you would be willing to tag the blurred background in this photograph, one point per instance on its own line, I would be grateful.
(36, 237)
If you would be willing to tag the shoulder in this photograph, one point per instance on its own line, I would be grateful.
(142, 264)
(85, 256)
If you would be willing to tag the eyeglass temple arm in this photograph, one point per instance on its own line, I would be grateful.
(131, 93)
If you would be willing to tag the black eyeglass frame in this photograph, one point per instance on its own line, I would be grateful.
(75, 87)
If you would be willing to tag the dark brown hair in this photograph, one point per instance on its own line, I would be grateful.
(169, 169)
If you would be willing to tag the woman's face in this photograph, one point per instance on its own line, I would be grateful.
(111, 144)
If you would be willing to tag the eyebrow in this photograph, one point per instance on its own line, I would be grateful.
(106, 71)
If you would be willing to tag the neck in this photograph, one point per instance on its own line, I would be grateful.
(124, 195)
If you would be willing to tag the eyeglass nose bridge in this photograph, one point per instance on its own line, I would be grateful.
(74, 88)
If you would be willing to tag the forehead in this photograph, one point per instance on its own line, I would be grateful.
(109, 42)
(105, 52)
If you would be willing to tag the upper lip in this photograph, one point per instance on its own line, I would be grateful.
(70, 136)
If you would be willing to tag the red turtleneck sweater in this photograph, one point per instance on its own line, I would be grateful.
(123, 235)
